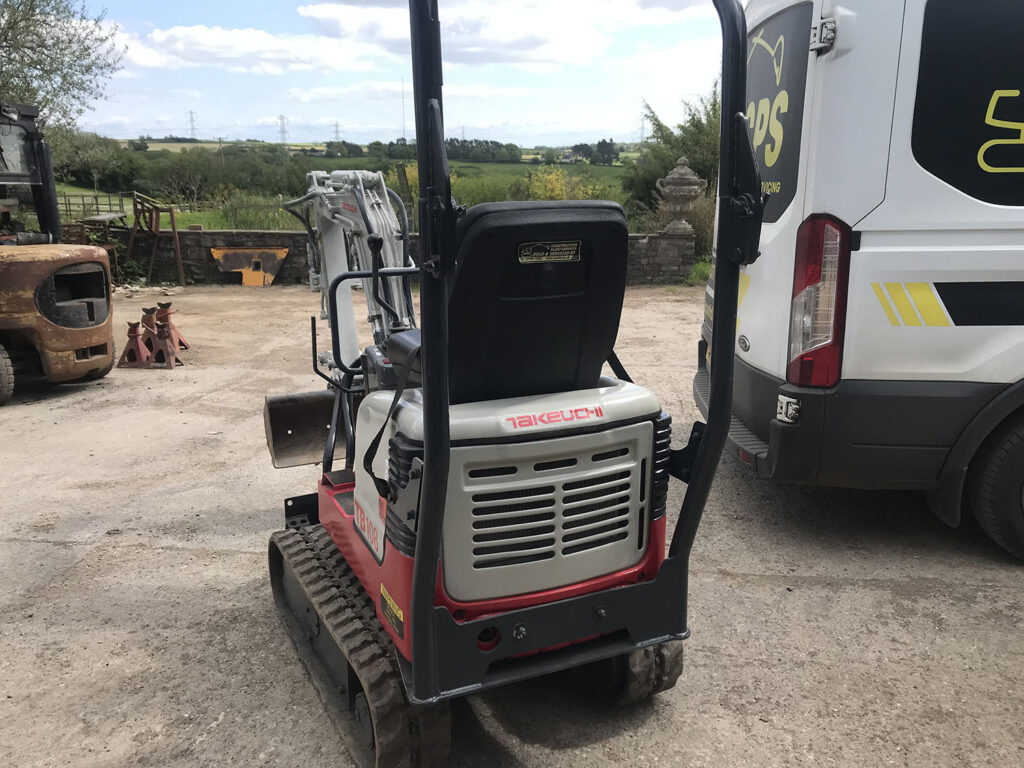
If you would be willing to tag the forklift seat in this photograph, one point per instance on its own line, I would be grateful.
(535, 304)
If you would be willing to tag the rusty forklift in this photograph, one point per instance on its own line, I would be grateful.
(55, 312)
(500, 511)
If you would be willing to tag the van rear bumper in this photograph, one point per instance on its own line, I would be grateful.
(858, 434)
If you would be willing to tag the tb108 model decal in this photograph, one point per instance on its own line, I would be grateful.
(777, 57)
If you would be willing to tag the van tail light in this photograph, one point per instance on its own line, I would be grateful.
(818, 316)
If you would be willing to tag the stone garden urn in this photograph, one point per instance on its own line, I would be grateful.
(677, 191)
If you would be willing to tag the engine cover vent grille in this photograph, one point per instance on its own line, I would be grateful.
(570, 511)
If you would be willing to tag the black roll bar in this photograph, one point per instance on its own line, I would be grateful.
(740, 207)
(332, 302)
(437, 227)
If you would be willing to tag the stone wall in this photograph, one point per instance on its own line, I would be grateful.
(653, 259)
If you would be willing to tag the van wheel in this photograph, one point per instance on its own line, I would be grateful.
(998, 487)
(6, 376)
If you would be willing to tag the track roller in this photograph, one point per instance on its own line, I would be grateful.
(638, 675)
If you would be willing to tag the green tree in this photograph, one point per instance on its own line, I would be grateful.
(583, 150)
(377, 149)
(696, 138)
(550, 157)
(56, 55)
(96, 154)
(187, 179)
(604, 153)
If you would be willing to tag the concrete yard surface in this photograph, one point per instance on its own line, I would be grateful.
(830, 628)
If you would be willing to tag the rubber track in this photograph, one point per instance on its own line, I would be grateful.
(406, 735)
(650, 671)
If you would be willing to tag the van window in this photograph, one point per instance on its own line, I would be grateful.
(777, 56)
(969, 114)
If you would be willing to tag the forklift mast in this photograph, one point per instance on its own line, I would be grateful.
(25, 159)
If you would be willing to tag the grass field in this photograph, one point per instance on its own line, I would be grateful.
(472, 183)
(488, 182)
(70, 189)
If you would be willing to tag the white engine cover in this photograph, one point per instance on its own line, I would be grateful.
(543, 491)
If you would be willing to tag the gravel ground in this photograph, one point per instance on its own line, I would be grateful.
(829, 627)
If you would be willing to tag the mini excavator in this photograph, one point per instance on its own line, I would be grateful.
(500, 510)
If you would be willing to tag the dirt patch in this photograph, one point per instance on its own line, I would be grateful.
(829, 627)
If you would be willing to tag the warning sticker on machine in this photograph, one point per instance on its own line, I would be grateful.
(391, 611)
(539, 253)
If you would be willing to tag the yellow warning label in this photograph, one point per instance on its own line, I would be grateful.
(391, 611)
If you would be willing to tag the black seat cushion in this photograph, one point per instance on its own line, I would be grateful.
(535, 304)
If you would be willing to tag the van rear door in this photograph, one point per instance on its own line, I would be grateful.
(780, 65)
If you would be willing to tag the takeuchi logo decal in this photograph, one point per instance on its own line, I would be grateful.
(555, 417)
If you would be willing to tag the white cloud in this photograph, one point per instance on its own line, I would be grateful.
(528, 33)
(535, 68)
(253, 51)
(536, 35)
(393, 89)
(667, 76)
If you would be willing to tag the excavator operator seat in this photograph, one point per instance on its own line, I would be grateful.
(535, 304)
(536, 299)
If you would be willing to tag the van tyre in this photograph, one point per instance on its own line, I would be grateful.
(997, 489)
(6, 376)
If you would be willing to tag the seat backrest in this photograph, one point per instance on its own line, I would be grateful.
(535, 304)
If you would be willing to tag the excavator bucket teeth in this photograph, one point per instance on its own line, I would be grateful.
(298, 426)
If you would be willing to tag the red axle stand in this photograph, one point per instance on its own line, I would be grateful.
(135, 354)
(163, 315)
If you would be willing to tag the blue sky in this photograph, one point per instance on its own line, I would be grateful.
(532, 71)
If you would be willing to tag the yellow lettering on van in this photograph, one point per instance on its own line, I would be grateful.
(777, 52)
(761, 122)
(990, 119)
(781, 106)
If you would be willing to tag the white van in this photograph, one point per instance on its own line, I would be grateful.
(880, 339)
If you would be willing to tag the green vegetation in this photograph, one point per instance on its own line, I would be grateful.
(71, 189)
(56, 55)
(491, 182)
(240, 185)
(241, 211)
(701, 217)
(699, 274)
(697, 139)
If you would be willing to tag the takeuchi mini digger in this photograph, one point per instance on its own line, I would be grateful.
(500, 510)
